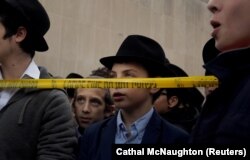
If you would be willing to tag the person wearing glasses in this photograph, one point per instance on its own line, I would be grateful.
(179, 106)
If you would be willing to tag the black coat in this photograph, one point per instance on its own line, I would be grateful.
(225, 118)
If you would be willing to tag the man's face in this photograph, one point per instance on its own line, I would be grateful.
(89, 106)
(231, 22)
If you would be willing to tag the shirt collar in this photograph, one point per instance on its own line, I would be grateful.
(32, 71)
(140, 124)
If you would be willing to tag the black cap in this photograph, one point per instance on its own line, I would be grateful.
(37, 18)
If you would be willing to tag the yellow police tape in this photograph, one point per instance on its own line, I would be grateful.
(175, 82)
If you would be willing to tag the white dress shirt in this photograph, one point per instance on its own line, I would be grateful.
(32, 72)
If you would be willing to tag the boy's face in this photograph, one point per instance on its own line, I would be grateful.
(4, 43)
(231, 23)
(130, 98)
(89, 106)
(161, 103)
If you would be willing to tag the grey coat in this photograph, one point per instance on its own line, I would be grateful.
(37, 124)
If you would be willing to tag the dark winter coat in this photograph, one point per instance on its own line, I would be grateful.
(37, 124)
(225, 118)
(96, 143)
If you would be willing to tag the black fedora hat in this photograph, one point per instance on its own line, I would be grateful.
(209, 51)
(37, 19)
(141, 49)
(191, 95)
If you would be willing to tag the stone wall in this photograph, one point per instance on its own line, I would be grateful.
(83, 31)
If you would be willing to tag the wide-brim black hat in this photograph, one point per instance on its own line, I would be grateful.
(37, 19)
(191, 95)
(140, 49)
(209, 51)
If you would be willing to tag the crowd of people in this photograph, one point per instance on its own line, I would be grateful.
(83, 123)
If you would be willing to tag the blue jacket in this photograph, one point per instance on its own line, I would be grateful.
(225, 118)
(96, 143)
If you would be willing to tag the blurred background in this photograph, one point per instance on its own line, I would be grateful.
(83, 31)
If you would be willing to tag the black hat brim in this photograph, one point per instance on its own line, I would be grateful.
(209, 51)
(41, 45)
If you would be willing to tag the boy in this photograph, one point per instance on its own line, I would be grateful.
(35, 123)
(225, 117)
(179, 106)
(136, 121)
(91, 105)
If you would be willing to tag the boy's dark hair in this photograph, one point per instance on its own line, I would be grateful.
(11, 21)
(102, 72)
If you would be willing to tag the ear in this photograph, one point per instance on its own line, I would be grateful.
(173, 101)
(155, 90)
(21, 34)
